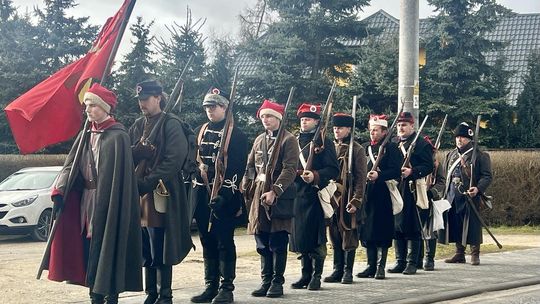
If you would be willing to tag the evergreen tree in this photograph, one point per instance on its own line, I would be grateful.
(528, 107)
(456, 78)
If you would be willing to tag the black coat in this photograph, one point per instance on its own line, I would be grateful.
(309, 230)
(171, 144)
(377, 222)
(407, 222)
(455, 216)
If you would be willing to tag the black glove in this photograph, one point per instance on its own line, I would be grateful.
(217, 204)
(58, 203)
(144, 187)
(141, 151)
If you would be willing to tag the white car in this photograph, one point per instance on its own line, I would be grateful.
(25, 202)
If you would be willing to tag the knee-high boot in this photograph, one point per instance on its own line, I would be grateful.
(267, 271)
(371, 268)
(211, 282)
(228, 273)
(413, 247)
(318, 265)
(475, 254)
(307, 271)
(150, 285)
(431, 247)
(164, 282)
(348, 268)
(459, 256)
(400, 247)
(337, 274)
(276, 287)
(381, 262)
(96, 298)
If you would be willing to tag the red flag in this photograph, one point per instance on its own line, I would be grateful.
(51, 112)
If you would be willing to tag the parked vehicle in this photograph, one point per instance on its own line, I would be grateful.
(25, 202)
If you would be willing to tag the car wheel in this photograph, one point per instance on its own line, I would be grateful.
(41, 232)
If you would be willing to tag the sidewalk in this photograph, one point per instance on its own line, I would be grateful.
(498, 271)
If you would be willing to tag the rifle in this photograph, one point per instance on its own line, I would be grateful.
(272, 160)
(174, 98)
(221, 157)
(321, 129)
(431, 179)
(349, 182)
(470, 201)
(385, 141)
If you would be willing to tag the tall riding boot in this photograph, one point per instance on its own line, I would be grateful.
(348, 268)
(419, 262)
(337, 274)
(475, 255)
(459, 256)
(164, 282)
(150, 285)
(413, 248)
(96, 298)
(371, 268)
(276, 288)
(400, 246)
(318, 265)
(228, 273)
(267, 272)
(211, 282)
(307, 270)
(381, 262)
(431, 247)
(112, 299)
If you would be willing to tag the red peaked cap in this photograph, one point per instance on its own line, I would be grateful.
(104, 94)
(406, 117)
(309, 110)
(272, 108)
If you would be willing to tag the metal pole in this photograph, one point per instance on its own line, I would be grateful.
(408, 58)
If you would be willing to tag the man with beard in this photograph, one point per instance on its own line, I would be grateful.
(98, 239)
(219, 250)
(166, 234)
(343, 231)
(271, 227)
(377, 220)
(458, 177)
(407, 222)
(308, 237)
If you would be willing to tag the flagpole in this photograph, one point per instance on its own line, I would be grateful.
(82, 139)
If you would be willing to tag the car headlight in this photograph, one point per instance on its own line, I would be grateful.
(25, 202)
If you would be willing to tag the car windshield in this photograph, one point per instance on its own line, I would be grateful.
(29, 180)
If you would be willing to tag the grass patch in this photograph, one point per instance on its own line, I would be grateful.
(533, 230)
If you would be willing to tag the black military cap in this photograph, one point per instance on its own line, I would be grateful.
(464, 130)
(148, 88)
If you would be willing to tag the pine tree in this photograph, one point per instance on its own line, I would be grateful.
(528, 107)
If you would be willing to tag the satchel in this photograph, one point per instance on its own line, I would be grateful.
(161, 195)
(283, 208)
(422, 200)
(395, 196)
(325, 195)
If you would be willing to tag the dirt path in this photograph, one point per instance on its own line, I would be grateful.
(20, 258)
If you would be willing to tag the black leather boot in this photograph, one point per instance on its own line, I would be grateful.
(318, 265)
(337, 274)
(164, 282)
(267, 271)
(96, 298)
(276, 287)
(400, 247)
(419, 264)
(307, 271)
(413, 248)
(228, 273)
(431, 247)
(150, 285)
(111, 299)
(459, 256)
(349, 263)
(371, 268)
(381, 262)
(211, 282)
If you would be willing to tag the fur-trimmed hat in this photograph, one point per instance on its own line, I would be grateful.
(272, 108)
(378, 120)
(464, 130)
(101, 96)
(406, 117)
(147, 88)
(309, 110)
(216, 96)
(342, 120)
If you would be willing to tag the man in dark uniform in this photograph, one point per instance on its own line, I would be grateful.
(98, 235)
(343, 229)
(308, 237)
(158, 160)
(377, 219)
(407, 222)
(270, 226)
(458, 166)
(219, 250)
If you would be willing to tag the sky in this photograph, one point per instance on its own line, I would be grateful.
(221, 15)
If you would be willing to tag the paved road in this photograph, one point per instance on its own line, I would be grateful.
(498, 271)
